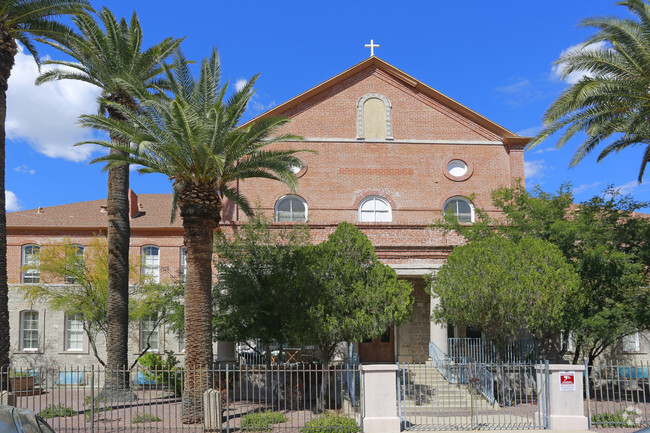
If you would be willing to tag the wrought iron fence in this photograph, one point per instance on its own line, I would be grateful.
(429, 401)
(618, 394)
(291, 397)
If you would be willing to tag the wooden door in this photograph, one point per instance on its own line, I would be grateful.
(380, 349)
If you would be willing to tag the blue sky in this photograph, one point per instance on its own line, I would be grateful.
(494, 57)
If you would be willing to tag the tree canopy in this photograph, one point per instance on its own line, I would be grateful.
(506, 288)
(605, 241)
(275, 287)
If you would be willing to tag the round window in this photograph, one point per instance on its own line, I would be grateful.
(457, 168)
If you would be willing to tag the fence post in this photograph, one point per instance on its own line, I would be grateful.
(212, 410)
(379, 398)
(565, 385)
(7, 398)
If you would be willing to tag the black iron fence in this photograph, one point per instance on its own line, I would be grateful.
(289, 397)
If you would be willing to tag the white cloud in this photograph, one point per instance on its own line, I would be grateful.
(534, 169)
(628, 188)
(530, 132)
(45, 116)
(544, 150)
(11, 201)
(259, 107)
(519, 86)
(24, 169)
(585, 187)
(240, 83)
(575, 76)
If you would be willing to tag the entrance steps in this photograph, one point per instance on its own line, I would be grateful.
(425, 387)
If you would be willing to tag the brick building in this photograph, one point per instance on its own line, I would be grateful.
(392, 155)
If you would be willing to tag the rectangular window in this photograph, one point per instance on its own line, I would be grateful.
(29, 330)
(631, 343)
(74, 333)
(183, 270)
(568, 342)
(148, 330)
(30, 263)
(74, 258)
(181, 341)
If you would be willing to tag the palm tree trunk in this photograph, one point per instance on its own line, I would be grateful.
(8, 50)
(199, 223)
(118, 234)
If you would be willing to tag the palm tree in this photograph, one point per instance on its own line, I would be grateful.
(21, 21)
(192, 137)
(612, 97)
(109, 58)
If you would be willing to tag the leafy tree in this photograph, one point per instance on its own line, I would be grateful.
(112, 58)
(257, 271)
(193, 138)
(77, 284)
(612, 96)
(21, 21)
(505, 288)
(346, 293)
(605, 242)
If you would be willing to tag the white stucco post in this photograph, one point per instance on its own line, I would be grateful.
(565, 388)
(379, 385)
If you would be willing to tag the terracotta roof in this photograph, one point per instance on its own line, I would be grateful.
(509, 136)
(154, 212)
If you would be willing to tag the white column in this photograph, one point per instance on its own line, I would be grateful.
(438, 332)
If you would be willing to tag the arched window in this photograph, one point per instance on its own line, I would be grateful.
(462, 208)
(375, 209)
(151, 263)
(291, 208)
(30, 263)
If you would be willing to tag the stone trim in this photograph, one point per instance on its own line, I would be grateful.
(360, 120)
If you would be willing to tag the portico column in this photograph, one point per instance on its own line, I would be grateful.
(438, 332)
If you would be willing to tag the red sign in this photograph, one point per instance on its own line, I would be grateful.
(567, 381)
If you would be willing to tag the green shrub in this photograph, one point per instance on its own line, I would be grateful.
(57, 410)
(617, 419)
(145, 417)
(331, 423)
(164, 372)
(95, 406)
(261, 421)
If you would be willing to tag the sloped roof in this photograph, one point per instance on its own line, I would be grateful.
(155, 213)
(508, 136)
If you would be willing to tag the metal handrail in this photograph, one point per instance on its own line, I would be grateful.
(463, 370)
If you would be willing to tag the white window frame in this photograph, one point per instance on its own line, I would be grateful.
(150, 263)
(154, 338)
(631, 342)
(79, 252)
(73, 327)
(32, 329)
(291, 212)
(373, 212)
(183, 264)
(460, 199)
(570, 341)
(181, 341)
(30, 257)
